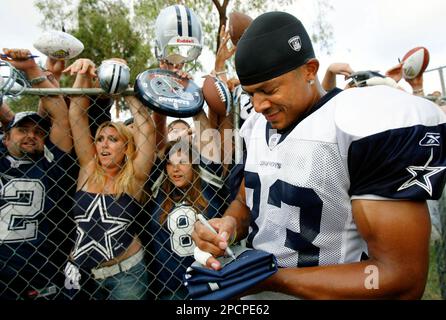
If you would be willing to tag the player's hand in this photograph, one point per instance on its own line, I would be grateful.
(224, 52)
(396, 72)
(215, 244)
(341, 69)
(82, 66)
(183, 74)
(55, 66)
(19, 58)
(232, 83)
(416, 83)
(175, 67)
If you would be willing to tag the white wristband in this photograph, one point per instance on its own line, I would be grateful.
(201, 256)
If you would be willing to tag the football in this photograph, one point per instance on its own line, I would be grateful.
(217, 95)
(415, 62)
(58, 45)
(238, 22)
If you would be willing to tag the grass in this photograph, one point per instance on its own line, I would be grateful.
(432, 291)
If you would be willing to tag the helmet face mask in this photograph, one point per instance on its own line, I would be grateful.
(182, 53)
(359, 78)
(178, 35)
(11, 78)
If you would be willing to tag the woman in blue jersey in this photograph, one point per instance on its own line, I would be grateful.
(113, 170)
(186, 184)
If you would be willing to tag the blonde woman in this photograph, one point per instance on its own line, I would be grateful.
(113, 169)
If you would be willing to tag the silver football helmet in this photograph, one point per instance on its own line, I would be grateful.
(246, 106)
(178, 35)
(12, 81)
(114, 76)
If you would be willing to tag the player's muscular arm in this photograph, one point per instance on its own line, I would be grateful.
(397, 234)
(239, 211)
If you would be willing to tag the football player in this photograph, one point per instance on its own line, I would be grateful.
(335, 183)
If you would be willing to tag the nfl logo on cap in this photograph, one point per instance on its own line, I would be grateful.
(295, 43)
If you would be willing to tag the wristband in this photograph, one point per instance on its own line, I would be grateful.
(218, 73)
(418, 91)
(201, 256)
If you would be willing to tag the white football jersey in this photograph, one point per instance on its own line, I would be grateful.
(364, 143)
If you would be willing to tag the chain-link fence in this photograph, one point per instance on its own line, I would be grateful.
(60, 238)
(436, 75)
(440, 246)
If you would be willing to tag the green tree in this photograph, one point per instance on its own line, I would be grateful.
(126, 28)
(105, 28)
(23, 103)
(213, 14)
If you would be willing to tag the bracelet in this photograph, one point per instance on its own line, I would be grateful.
(37, 80)
(217, 73)
(418, 91)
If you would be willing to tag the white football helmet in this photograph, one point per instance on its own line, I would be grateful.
(178, 35)
(114, 76)
(12, 81)
(246, 106)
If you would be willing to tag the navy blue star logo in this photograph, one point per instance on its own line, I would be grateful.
(421, 176)
(97, 238)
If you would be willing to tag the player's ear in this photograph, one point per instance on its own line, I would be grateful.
(310, 68)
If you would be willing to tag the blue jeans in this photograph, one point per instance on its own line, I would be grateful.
(126, 285)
